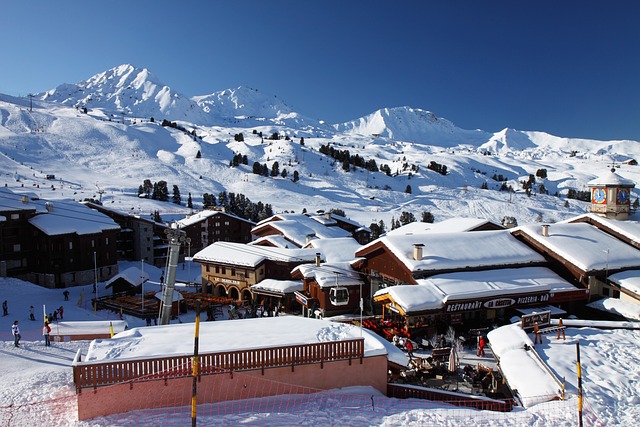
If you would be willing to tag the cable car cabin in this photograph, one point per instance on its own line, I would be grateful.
(339, 296)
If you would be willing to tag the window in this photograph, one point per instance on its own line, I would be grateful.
(605, 291)
(70, 245)
(16, 247)
(616, 293)
(15, 216)
(224, 270)
(208, 268)
(93, 243)
(226, 223)
(217, 269)
(233, 271)
(106, 241)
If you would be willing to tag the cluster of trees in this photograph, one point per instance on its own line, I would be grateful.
(239, 205)
(263, 170)
(407, 218)
(174, 125)
(348, 160)
(239, 159)
(160, 191)
(437, 167)
(584, 196)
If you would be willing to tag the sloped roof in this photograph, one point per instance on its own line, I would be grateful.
(337, 249)
(132, 275)
(584, 246)
(250, 255)
(203, 215)
(460, 250)
(447, 226)
(330, 274)
(611, 180)
(297, 230)
(68, 217)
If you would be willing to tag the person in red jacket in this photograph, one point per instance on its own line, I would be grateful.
(46, 330)
(481, 344)
(409, 347)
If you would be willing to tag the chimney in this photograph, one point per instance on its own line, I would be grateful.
(25, 199)
(310, 237)
(317, 259)
(545, 230)
(327, 216)
(417, 251)
(48, 206)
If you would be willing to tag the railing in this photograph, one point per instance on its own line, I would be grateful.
(90, 374)
(458, 399)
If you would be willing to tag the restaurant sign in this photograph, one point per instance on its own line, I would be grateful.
(496, 303)
(301, 298)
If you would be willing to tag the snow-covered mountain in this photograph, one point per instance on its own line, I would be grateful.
(101, 151)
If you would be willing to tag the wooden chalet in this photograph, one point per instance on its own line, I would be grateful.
(298, 229)
(586, 253)
(214, 225)
(330, 289)
(16, 244)
(230, 269)
(411, 261)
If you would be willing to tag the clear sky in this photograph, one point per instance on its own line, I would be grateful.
(569, 68)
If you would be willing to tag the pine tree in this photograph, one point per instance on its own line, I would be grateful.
(189, 202)
(176, 195)
(408, 189)
(148, 187)
(156, 216)
(296, 177)
(427, 217)
(198, 155)
(275, 169)
(407, 218)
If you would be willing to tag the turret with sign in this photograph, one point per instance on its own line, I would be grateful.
(610, 195)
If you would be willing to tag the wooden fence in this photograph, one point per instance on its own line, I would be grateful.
(403, 392)
(96, 374)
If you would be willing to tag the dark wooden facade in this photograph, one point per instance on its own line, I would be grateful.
(220, 227)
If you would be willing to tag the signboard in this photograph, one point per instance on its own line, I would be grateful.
(301, 298)
(496, 303)
(542, 319)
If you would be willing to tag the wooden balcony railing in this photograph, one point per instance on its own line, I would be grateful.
(96, 374)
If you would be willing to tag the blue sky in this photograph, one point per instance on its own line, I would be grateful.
(570, 68)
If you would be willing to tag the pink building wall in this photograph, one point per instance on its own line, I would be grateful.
(136, 395)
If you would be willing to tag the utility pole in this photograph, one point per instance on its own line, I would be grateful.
(176, 237)
(30, 102)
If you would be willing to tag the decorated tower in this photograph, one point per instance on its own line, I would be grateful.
(610, 195)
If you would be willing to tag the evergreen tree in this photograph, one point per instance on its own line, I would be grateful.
(198, 155)
(189, 202)
(375, 230)
(284, 173)
(176, 195)
(407, 218)
(408, 189)
(140, 191)
(427, 217)
(162, 191)
(257, 168)
(275, 169)
(156, 216)
(147, 187)
(296, 177)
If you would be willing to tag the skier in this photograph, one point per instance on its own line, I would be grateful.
(5, 308)
(66, 295)
(31, 315)
(15, 330)
(46, 330)
(60, 311)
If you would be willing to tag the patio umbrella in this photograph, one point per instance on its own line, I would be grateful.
(452, 360)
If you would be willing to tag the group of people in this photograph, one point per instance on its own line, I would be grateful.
(404, 344)
(57, 314)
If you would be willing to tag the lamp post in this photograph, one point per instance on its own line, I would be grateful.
(142, 280)
(606, 268)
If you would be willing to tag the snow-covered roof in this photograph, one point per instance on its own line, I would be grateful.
(336, 250)
(447, 226)
(279, 286)
(68, 216)
(436, 291)
(450, 251)
(202, 215)
(614, 305)
(523, 371)
(275, 240)
(251, 255)
(495, 283)
(628, 229)
(585, 246)
(177, 339)
(10, 201)
(611, 180)
(133, 275)
(629, 280)
(330, 274)
(297, 227)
